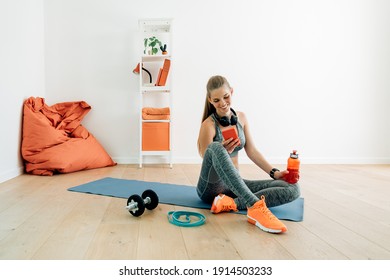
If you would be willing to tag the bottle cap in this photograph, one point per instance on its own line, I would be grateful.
(294, 154)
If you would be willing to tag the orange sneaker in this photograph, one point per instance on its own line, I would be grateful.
(223, 203)
(262, 217)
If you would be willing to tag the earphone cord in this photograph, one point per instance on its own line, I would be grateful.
(174, 217)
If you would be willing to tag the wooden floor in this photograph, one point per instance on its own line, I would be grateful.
(347, 216)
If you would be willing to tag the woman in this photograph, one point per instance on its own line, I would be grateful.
(220, 182)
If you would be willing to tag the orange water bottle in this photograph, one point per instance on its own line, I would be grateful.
(293, 168)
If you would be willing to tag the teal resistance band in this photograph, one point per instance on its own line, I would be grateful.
(174, 218)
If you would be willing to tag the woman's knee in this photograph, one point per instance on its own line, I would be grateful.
(215, 148)
(296, 191)
(293, 190)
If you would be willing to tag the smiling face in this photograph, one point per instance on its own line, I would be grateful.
(220, 98)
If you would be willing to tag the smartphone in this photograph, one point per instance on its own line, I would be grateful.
(230, 132)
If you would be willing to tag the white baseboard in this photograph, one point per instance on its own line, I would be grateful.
(373, 160)
(157, 160)
(9, 174)
(246, 160)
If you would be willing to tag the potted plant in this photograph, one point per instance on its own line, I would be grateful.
(150, 44)
(164, 49)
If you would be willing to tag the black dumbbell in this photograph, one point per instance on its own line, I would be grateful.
(136, 204)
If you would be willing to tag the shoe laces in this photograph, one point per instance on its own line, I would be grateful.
(264, 209)
(228, 207)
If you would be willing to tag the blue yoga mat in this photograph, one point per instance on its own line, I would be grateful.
(181, 195)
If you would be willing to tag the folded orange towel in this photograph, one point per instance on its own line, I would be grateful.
(149, 113)
(156, 111)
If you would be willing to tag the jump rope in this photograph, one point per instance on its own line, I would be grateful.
(183, 218)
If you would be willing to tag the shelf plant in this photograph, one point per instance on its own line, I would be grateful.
(151, 45)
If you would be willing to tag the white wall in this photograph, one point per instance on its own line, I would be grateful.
(311, 75)
(21, 74)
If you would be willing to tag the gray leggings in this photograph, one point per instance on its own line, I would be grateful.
(219, 175)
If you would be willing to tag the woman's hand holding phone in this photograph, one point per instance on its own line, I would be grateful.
(231, 140)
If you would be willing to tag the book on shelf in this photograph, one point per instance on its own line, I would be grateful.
(163, 73)
(158, 77)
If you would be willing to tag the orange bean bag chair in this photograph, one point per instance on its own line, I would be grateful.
(54, 141)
